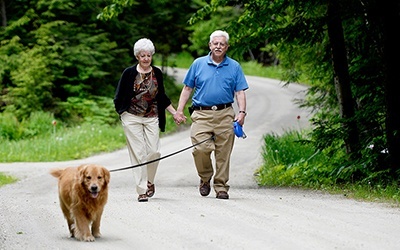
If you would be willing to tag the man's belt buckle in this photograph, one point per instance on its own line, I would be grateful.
(214, 107)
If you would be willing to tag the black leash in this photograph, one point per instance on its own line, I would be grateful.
(145, 163)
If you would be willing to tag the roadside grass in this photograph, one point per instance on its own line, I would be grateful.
(6, 179)
(288, 161)
(67, 143)
(389, 194)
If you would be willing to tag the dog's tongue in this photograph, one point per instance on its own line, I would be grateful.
(94, 195)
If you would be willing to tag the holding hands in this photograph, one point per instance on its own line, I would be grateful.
(179, 117)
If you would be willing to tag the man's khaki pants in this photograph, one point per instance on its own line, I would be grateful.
(220, 124)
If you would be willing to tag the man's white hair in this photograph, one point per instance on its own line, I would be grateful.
(219, 33)
(143, 44)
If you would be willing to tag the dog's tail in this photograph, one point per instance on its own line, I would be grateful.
(56, 172)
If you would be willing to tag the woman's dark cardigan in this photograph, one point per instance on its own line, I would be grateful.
(124, 93)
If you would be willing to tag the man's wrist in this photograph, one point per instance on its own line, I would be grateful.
(242, 111)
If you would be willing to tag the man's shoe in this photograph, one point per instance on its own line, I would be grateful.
(204, 188)
(222, 195)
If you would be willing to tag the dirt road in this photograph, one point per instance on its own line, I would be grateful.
(177, 217)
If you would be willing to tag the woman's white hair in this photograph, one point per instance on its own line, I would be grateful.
(143, 44)
(219, 33)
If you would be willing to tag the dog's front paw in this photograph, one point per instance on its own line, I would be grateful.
(89, 238)
(84, 237)
(97, 235)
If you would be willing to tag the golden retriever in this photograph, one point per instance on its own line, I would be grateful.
(83, 193)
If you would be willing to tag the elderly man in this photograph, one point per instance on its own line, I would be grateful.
(216, 80)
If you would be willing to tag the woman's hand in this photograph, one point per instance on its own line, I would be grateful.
(179, 117)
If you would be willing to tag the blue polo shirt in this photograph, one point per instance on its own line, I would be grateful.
(214, 84)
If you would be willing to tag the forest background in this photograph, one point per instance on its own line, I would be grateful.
(61, 60)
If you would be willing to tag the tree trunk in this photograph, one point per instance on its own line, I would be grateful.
(390, 12)
(3, 13)
(342, 78)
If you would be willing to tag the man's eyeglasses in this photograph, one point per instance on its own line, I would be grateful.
(222, 45)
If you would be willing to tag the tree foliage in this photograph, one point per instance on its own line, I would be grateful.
(52, 52)
(56, 51)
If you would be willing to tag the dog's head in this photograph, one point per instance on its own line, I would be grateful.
(94, 178)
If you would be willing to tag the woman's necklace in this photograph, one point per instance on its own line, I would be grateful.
(144, 71)
(145, 79)
(145, 76)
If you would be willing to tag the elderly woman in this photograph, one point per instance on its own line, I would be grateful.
(140, 100)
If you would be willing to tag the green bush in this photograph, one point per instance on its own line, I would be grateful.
(10, 127)
(37, 123)
(97, 109)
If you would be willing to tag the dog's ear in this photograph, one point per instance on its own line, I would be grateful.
(106, 175)
(81, 173)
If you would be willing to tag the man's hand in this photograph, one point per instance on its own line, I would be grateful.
(179, 117)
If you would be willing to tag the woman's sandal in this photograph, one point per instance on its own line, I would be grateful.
(151, 189)
(142, 198)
